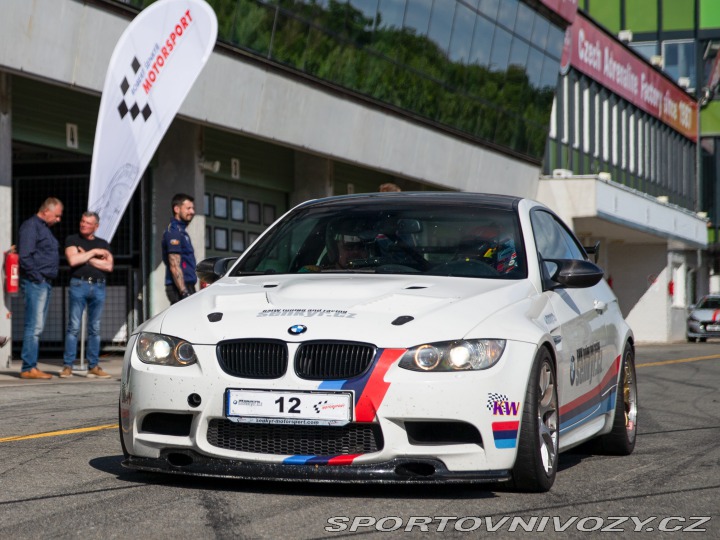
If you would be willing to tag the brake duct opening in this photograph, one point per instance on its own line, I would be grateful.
(177, 459)
(415, 470)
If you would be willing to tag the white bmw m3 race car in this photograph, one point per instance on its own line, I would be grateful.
(387, 337)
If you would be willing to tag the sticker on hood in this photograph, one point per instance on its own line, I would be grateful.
(339, 313)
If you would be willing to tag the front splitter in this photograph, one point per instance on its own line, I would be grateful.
(397, 471)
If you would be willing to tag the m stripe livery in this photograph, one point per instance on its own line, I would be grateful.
(599, 400)
(369, 390)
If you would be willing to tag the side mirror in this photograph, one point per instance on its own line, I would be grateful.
(575, 274)
(210, 270)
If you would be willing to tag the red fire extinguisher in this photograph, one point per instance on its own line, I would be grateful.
(12, 271)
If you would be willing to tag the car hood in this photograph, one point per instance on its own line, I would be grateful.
(703, 314)
(389, 311)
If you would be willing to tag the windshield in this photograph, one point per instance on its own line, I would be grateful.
(397, 238)
(709, 303)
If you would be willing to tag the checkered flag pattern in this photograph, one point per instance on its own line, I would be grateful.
(134, 109)
(318, 405)
(493, 398)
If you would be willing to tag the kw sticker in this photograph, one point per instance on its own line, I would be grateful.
(500, 405)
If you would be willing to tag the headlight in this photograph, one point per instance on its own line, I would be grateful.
(165, 350)
(464, 355)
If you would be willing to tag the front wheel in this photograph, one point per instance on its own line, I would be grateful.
(621, 440)
(537, 454)
(125, 452)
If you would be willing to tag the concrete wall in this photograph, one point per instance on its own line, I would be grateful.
(641, 276)
(177, 170)
(640, 280)
(259, 102)
(313, 178)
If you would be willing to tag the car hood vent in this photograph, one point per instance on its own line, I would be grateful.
(322, 360)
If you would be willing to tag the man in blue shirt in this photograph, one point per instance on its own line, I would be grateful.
(39, 253)
(177, 250)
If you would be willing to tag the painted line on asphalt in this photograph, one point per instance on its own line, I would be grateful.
(678, 361)
(57, 433)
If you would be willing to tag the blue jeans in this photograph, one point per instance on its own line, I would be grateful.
(81, 294)
(37, 302)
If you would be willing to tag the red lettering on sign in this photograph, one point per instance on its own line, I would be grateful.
(170, 42)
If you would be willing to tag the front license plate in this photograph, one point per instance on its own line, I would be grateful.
(288, 407)
(712, 327)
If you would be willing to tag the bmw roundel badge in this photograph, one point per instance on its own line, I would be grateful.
(297, 329)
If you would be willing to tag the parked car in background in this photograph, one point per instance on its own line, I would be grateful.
(704, 318)
(387, 337)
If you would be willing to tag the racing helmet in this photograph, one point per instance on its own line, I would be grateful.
(349, 234)
(492, 245)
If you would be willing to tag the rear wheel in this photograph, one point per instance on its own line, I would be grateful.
(537, 454)
(621, 440)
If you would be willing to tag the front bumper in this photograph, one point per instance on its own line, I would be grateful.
(396, 471)
(699, 330)
(194, 395)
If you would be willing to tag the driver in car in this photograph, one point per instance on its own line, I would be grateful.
(342, 249)
(349, 248)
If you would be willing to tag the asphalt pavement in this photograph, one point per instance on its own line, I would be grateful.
(62, 478)
(10, 374)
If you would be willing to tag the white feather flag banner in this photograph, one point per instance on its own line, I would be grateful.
(153, 67)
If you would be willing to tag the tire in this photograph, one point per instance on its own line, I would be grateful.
(702, 340)
(537, 454)
(621, 440)
(691, 339)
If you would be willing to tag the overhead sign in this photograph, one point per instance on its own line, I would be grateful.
(155, 63)
(605, 60)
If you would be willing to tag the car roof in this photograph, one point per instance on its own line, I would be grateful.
(507, 202)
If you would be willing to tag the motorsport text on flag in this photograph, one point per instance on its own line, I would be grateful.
(155, 63)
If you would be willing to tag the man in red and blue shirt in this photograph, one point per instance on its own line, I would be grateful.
(177, 250)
